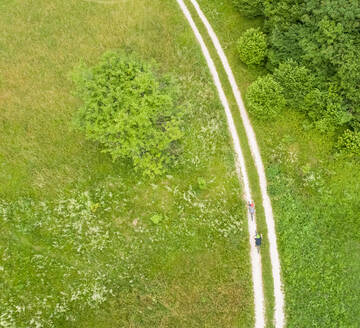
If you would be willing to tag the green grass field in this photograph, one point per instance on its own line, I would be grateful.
(315, 198)
(77, 244)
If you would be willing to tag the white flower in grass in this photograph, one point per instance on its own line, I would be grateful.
(19, 308)
(35, 323)
(6, 319)
(75, 296)
(60, 308)
(98, 294)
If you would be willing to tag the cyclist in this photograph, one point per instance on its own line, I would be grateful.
(251, 206)
(258, 239)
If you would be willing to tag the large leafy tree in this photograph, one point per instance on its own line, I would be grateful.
(130, 110)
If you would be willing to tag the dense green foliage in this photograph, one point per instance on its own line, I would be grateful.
(130, 111)
(320, 40)
(324, 38)
(325, 108)
(250, 8)
(264, 98)
(252, 47)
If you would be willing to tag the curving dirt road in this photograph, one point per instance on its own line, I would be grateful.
(242, 173)
(279, 314)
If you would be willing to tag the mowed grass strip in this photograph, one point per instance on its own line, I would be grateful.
(78, 247)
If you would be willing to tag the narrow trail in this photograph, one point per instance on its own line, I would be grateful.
(242, 174)
(279, 314)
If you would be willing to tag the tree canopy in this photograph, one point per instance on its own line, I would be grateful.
(321, 38)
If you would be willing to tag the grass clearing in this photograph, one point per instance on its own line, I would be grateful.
(80, 224)
(315, 199)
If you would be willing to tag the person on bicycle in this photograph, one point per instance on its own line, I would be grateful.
(251, 206)
(258, 239)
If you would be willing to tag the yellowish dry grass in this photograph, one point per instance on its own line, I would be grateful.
(41, 44)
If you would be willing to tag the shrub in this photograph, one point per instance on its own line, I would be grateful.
(297, 82)
(249, 8)
(130, 110)
(252, 47)
(156, 218)
(264, 97)
(349, 143)
(201, 182)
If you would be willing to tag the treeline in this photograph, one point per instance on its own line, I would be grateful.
(313, 53)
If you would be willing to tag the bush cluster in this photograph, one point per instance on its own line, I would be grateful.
(130, 110)
(324, 41)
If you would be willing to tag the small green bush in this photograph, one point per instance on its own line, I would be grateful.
(202, 184)
(349, 143)
(156, 218)
(130, 111)
(265, 98)
(249, 8)
(252, 47)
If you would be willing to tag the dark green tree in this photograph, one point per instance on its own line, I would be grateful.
(297, 82)
(324, 38)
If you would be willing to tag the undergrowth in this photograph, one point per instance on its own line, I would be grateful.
(315, 201)
(61, 258)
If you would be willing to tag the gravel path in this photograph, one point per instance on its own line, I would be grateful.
(242, 173)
